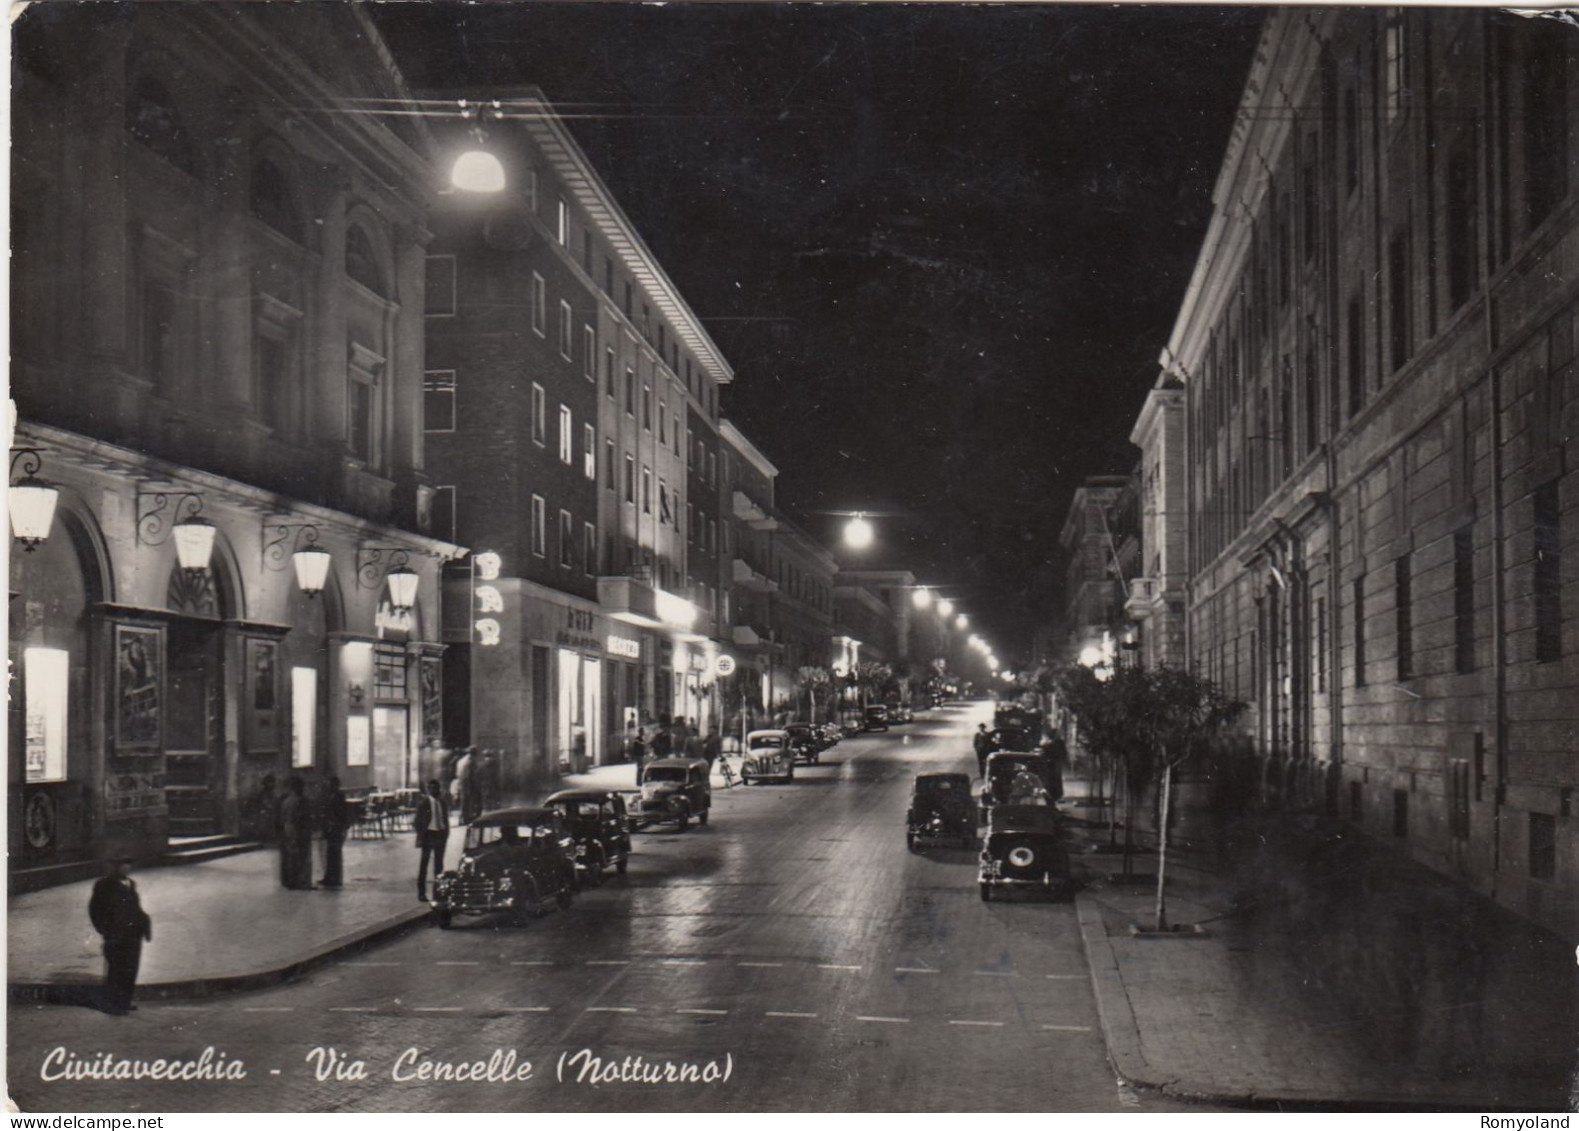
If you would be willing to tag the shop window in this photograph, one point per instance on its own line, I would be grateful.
(46, 683)
(389, 672)
(304, 715)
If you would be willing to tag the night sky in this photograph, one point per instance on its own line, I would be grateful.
(942, 246)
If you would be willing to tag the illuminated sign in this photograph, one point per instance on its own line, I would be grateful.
(623, 646)
(487, 564)
(489, 599)
(676, 612)
(724, 665)
(485, 567)
(487, 632)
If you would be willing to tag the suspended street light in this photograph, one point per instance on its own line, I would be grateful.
(858, 533)
(403, 582)
(945, 608)
(962, 621)
(921, 597)
(477, 170)
(31, 501)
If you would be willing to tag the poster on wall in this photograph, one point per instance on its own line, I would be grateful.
(262, 696)
(431, 673)
(139, 668)
(358, 740)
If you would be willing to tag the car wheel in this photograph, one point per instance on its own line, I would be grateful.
(442, 916)
(910, 841)
(701, 818)
(564, 896)
(595, 864)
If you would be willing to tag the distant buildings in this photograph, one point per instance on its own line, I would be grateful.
(1376, 353)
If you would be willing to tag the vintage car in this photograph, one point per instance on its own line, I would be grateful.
(1003, 738)
(673, 791)
(517, 861)
(769, 754)
(1023, 850)
(1015, 777)
(941, 809)
(898, 714)
(831, 734)
(598, 823)
(806, 741)
(875, 717)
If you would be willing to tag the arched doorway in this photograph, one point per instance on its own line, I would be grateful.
(200, 601)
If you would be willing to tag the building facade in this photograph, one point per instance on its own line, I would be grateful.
(1157, 588)
(215, 322)
(1377, 348)
(1093, 584)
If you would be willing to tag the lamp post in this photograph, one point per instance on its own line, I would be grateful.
(478, 170)
(30, 500)
(858, 532)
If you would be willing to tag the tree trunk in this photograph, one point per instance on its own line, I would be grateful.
(1162, 846)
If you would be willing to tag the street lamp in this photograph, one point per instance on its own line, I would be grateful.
(922, 597)
(858, 532)
(962, 622)
(477, 170)
(945, 609)
(31, 501)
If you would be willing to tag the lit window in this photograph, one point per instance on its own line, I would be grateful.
(46, 672)
(646, 490)
(539, 526)
(563, 225)
(589, 452)
(438, 400)
(566, 435)
(304, 713)
(566, 322)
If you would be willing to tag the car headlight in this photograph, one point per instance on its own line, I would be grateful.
(506, 885)
(581, 850)
(1021, 856)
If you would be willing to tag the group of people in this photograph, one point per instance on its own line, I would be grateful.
(473, 781)
(291, 819)
(674, 738)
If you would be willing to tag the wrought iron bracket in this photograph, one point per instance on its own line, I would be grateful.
(159, 509)
(278, 545)
(374, 562)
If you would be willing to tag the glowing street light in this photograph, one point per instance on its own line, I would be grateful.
(858, 533)
(477, 170)
(922, 597)
(962, 621)
(945, 608)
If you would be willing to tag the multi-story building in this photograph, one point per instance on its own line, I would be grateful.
(575, 405)
(800, 609)
(1093, 585)
(216, 347)
(1377, 347)
(746, 500)
(1157, 589)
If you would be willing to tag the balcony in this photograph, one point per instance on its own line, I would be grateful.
(752, 515)
(745, 577)
(1145, 594)
(635, 600)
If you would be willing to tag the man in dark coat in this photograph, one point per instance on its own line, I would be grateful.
(662, 740)
(981, 741)
(432, 825)
(639, 752)
(336, 823)
(117, 914)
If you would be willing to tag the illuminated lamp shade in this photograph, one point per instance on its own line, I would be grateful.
(403, 587)
(32, 503)
(945, 608)
(194, 542)
(858, 533)
(962, 621)
(922, 597)
(477, 170)
(312, 569)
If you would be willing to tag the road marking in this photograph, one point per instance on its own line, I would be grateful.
(435, 1009)
(526, 1009)
(774, 965)
(535, 963)
(771, 1013)
(1066, 977)
(685, 962)
(274, 1072)
(706, 1012)
(369, 964)
(996, 973)
(611, 1009)
(915, 970)
(608, 962)
(1068, 1028)
(987, 1024)
(832, 966)
(352, 1008)
(457, 964)
(888, 1020)
(268, 1009)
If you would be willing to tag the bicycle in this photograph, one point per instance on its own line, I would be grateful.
(729, 774)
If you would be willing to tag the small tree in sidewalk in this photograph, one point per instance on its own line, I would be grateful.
(813, 681)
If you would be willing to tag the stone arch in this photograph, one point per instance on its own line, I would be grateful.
(274, 195)
(154, 115)
(369, 257)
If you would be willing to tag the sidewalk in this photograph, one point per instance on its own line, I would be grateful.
(226, 925)
(1319, 970)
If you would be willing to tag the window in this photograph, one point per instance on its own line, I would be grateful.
(539, 416)
(1356, 342)
(562, 223)
(46, 675)
(361, 411)
(539, 305)
(608, 275)
(1321, 644)
(608, 464)
(567, 433)
(1359, 631)
(630, 391)
(712, 536)
(442, 522)
(589, 452)
(1403, 614)
(589, 354)
(566, 333)
(1464, 599)
(586, 250)
(1458, 799)
(1463, 233)
(630, 478)
(1548, 575)
(304, 714)
(1543, 846)
(1395, 77)
(1309, 198)
(531, 189)
(646, 490)
(663, 422)
(646, 406)
(1398, 299)
(627, 298)
(567, 540)
(389, 672)
(539, 526)
(712, 467)
(160, 344)
(589, 549)
(665, 514)
(273, 380)
(438, 400)
(608, 372)
(1545, 127)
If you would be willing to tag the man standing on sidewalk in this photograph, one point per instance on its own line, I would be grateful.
(336, 822)
(432, 826)
(117, 914)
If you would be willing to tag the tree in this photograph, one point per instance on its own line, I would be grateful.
(812, 679)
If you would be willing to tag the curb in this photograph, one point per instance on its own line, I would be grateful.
(1122, 1033)
(77, 993)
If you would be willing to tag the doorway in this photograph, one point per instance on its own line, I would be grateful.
(194, 752)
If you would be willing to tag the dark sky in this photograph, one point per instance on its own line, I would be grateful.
(942, 246)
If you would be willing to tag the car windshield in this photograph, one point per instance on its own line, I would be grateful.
(580, 808)
(664, 773)
(481, 836)
(770, 742)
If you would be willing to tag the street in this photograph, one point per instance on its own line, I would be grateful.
(793, 941)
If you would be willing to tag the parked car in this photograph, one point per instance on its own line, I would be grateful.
(1015, 777)
(941, 809)
(831, 734)
(806, 741)
(673, 791)
(876, 717)
(769, 754)
(1024, 851)
(515, 860)
(1003, 738)
(600, 828)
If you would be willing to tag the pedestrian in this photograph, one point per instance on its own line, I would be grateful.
(662, 740)
(712, 747)
(296, 837)
(578, 749)
(467, 801)
(432, 825)
(981, 741)
(264, 811)
(487, 776)
(117, 914)
(639, 751)
(336, 823)
(693, 740)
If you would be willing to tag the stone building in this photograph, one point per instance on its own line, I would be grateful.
(1377, 348)
(216, 334)
(1093, 587)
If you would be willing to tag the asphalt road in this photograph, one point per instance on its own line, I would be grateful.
(793, 943)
